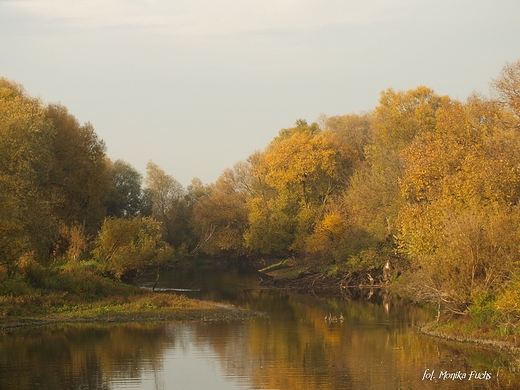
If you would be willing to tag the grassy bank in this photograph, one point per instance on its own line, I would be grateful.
(466, 330)
(80, 295)
(130, 308)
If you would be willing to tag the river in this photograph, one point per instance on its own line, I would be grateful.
(305, 342)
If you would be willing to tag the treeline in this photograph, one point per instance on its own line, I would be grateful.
(427, 183)
(62, 200)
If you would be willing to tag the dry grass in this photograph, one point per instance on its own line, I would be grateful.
(465, 331)
(79, 295)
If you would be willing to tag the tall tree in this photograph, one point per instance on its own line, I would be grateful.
(507, 88)
(399, 118)
(305, 168)
(168, 204)
(458, 225)
(125, 197)
(79, 176)
(354, 129)
(26, 136)
(221, 217)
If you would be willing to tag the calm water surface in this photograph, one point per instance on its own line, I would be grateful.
(374, 347)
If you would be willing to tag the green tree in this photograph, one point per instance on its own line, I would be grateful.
(125, 197)
(79, 177)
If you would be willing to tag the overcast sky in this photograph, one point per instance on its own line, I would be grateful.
(198, 85)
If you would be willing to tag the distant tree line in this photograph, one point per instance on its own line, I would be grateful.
(426, 182)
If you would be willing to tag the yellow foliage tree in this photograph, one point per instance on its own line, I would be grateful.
(399, 119)
(126, 247)
(302, 170)
(461, 187)
(220, 218)
(26, 223)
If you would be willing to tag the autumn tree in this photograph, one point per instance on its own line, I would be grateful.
(26, 136)
(304, 168)
(334, 238)
(168, 205)
(197, 190)
(53, 177)
(126, 247)
(354, 129)
(79, 176)
(221, 217)
(399, 118)
(507, 90)
(461, 187)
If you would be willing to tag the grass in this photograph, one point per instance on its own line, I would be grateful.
(467, 330)
(81, 295)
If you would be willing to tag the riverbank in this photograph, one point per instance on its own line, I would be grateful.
(288, 275)
(136, 307)
(80, 295)
(465, 331)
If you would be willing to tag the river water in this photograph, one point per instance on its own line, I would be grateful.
(305, 342)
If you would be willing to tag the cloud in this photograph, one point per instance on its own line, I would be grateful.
(207, 17)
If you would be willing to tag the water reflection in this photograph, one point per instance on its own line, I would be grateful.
(296, 347)
(82, 356)
(133, 356)
(372, 349)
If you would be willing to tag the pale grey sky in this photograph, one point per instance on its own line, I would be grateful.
(198, 85)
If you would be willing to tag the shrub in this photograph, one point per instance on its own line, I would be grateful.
(128, 246)
(13, 286)
(482, 310)
(507, 304)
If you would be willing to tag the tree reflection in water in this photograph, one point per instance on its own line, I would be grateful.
(374, 347)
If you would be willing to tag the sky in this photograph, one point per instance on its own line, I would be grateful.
(198, 85)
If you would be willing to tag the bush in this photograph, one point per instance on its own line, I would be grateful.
(482, 310)
(128, 246)
(507, 304)
(33, 272)
(13, 286)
